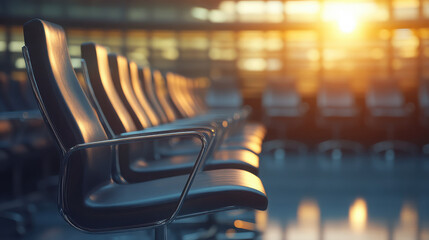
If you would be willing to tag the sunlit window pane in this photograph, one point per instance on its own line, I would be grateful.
(222, 46)
(3, 43)
(302, 11)
(360, 11)
(137, 46)
(164, 45)
(253, 41)
(405, 9)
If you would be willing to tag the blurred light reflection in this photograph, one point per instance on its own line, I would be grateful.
(358, 215)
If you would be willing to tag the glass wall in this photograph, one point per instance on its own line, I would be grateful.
(252, 41)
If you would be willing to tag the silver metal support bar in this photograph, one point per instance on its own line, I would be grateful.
(207, 140)
(161, 233)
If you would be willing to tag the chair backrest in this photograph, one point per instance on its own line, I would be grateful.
(424, 93)
(335, 93)
(199, 89)
(161, 94)
(69, 115)
(113, 109)
(146, 75)
(105, 92)
(119, 68)
(194, 88)
(281, 92)
(137, 85)
(180, 97)
(224, 93)
(384, 93)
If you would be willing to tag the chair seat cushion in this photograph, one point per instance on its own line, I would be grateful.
(151, 201)
(178, 165)
(189, 147)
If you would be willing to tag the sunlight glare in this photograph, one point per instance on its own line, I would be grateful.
(347, 23)
(348, 15)
(358, 215)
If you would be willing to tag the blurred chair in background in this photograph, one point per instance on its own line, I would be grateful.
(92, 195)
(284, 109)
(388, 110)
(423, 97)
(224, 92)
(25, 156)
(337, 110)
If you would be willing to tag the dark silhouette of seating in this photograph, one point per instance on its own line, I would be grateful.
(90, 196)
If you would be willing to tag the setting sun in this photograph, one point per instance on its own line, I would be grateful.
(347, 23)
(347, 16)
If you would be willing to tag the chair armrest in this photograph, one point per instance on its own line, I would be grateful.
(206, 136)
(219, 128)
(239, 114)
(219, 122)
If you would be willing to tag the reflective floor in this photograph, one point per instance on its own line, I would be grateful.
(366, 198)
(311, 197)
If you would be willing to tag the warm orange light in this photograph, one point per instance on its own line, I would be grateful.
(261, 219)
(407, 227)
(347, 23)
(344, 15)
(244, 225)
(358, 215)
(409, 215)
(230, 233)
(348, 15)
(308, 212)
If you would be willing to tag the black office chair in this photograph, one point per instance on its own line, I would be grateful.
(138, 88)
(284, 110)
(189, 105)
(388, 110)
(238, 134)
(119, 68)
(200, 88)
(224, 93)
(423, 98)
(162, 93)
(119, 120)
(337, 110)
(155, 97)
(90, 198)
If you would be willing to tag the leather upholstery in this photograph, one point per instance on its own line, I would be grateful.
(104, 89)
(137, 85)
(121, 79)
(93, 55)
(146, 77)
(89, 197)
(69, 114)
(155, 200)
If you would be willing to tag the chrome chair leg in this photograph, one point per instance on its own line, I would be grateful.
(161, 232)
